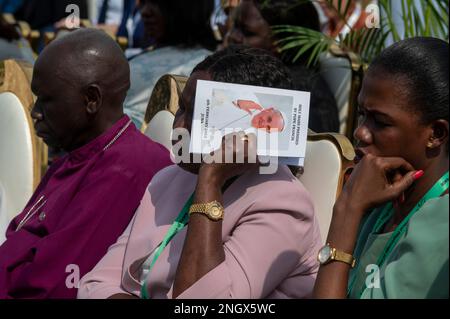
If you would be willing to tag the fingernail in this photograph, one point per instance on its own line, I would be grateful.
(418, 175)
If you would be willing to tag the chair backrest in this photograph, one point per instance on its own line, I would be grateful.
(328, 158)
(159, 129)
(343, 73)
(22, 155)
(161, 108)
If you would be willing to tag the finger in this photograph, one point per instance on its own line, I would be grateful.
(400, 186)
(251, 149)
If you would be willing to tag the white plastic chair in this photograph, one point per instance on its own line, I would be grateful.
(16, 156)
(159, 129)
(328, 158)
(22, 154)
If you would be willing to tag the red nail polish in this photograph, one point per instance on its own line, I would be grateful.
(418, 175)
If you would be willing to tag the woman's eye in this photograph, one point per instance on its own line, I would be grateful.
(380, 123)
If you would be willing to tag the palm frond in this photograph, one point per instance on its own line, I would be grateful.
(417, 18)
(306, 40)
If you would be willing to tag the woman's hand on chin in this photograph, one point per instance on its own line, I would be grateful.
(236, 156)
(375, 181)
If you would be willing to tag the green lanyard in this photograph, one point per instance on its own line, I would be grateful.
(179, 223)
(437, 190)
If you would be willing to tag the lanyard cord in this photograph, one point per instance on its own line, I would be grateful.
(437, 190)
(179, 223)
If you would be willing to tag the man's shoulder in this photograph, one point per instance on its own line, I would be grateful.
(137, 152)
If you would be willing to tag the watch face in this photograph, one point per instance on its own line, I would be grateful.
(215, 212)
(324, 254)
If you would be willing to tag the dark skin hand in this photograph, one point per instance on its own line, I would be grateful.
(203, 248)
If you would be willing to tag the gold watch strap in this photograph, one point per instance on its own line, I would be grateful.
(213, 210)
(339, 255)
(197, 208)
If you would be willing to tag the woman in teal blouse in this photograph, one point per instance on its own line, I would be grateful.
(400, 248)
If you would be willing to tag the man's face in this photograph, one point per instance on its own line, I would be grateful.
(59, 112)
(269, 120)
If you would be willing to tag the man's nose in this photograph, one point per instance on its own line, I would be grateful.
(36, 114)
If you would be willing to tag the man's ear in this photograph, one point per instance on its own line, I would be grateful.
(439, 134)
(93, 98)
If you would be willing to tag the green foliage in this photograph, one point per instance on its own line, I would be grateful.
(418, 18)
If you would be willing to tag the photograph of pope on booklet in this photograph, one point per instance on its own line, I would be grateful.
(278, 118)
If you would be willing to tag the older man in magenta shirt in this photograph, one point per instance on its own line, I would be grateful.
(88, 197)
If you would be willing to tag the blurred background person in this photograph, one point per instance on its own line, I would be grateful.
(251, 23)
(48, 15)
(122, 18)
(182, 37)
(12, 44)
(42, 15)
(10, 6)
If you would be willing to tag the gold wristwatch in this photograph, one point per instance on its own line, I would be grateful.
(328, 254)
(213, 210)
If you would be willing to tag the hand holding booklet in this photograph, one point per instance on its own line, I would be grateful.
(278, 118)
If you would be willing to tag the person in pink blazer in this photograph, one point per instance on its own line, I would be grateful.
(264, 247)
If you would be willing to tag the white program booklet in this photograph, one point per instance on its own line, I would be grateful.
(279, 119)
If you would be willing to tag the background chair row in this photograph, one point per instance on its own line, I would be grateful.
(34, 37)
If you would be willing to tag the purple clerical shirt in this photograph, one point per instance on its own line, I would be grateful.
(82, 205)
